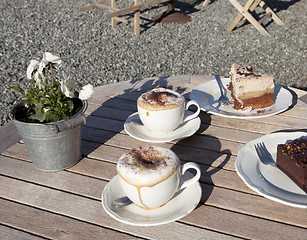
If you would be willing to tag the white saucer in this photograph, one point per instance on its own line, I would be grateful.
(179, 206)
(268, 181)
(133, 126)
(207, 95)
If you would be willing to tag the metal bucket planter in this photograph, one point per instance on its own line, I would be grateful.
(52, 146)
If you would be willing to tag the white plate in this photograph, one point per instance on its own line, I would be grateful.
(207, 95)
(179, 206)
(268, 181)
(133, 126)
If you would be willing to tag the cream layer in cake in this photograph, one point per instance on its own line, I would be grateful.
(250, 89)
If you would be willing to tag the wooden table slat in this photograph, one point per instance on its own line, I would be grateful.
(50, 225)
(8, 233)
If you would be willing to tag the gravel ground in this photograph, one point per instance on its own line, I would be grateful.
(94, 52)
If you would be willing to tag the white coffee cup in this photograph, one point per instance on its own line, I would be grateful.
(163, 110)
(150, 175)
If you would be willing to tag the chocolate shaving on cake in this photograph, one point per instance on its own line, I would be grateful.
(246, 71)
(261, 111)
(298, 149)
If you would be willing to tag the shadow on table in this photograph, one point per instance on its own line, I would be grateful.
(207, 188)
(107, 121)
(204, 150)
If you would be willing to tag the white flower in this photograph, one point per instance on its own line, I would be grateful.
(41, 68)
(86, 92)
(49, 58)
(67, 87)
(34, 65)
(38, 82)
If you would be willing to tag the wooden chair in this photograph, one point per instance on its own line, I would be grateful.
(116, 12)
(245, 12)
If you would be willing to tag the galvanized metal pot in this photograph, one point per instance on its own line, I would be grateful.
(52, 146)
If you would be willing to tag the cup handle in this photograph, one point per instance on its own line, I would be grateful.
(185, 183)
(194, 115)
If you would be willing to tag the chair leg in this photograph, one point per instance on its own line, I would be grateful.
(113, 21)
(249, 17)
(269, 10)
(248, 5)
(137, 19)
(206, 3)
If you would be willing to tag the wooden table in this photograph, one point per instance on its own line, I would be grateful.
(67, 204)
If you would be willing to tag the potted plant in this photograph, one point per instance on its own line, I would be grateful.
(50, 114)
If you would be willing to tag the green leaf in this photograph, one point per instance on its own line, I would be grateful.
(39, 107)
(17, 89)
(39, 115)
(70, 105)
(65, 116)
(50, 116)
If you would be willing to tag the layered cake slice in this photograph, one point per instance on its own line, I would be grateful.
(250, 90)
(292, 160)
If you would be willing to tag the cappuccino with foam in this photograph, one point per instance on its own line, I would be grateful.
(160, 99)
(150, 175)
(163, 110)
(147, 166)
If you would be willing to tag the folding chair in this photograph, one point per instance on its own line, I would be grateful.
(245, 12)
(116, 12)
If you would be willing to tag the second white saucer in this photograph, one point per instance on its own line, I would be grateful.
(183, 203)
(134, 127)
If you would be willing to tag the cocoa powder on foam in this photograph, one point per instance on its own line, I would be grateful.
(147, 165)
(160, 99)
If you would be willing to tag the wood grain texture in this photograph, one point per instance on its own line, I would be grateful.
(67, 204)
(50, 225)
(8, 233)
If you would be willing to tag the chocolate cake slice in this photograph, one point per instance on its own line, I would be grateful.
(250, 90)
(292, 160)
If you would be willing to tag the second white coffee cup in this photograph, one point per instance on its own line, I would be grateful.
(151, 175)
(163, 110)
